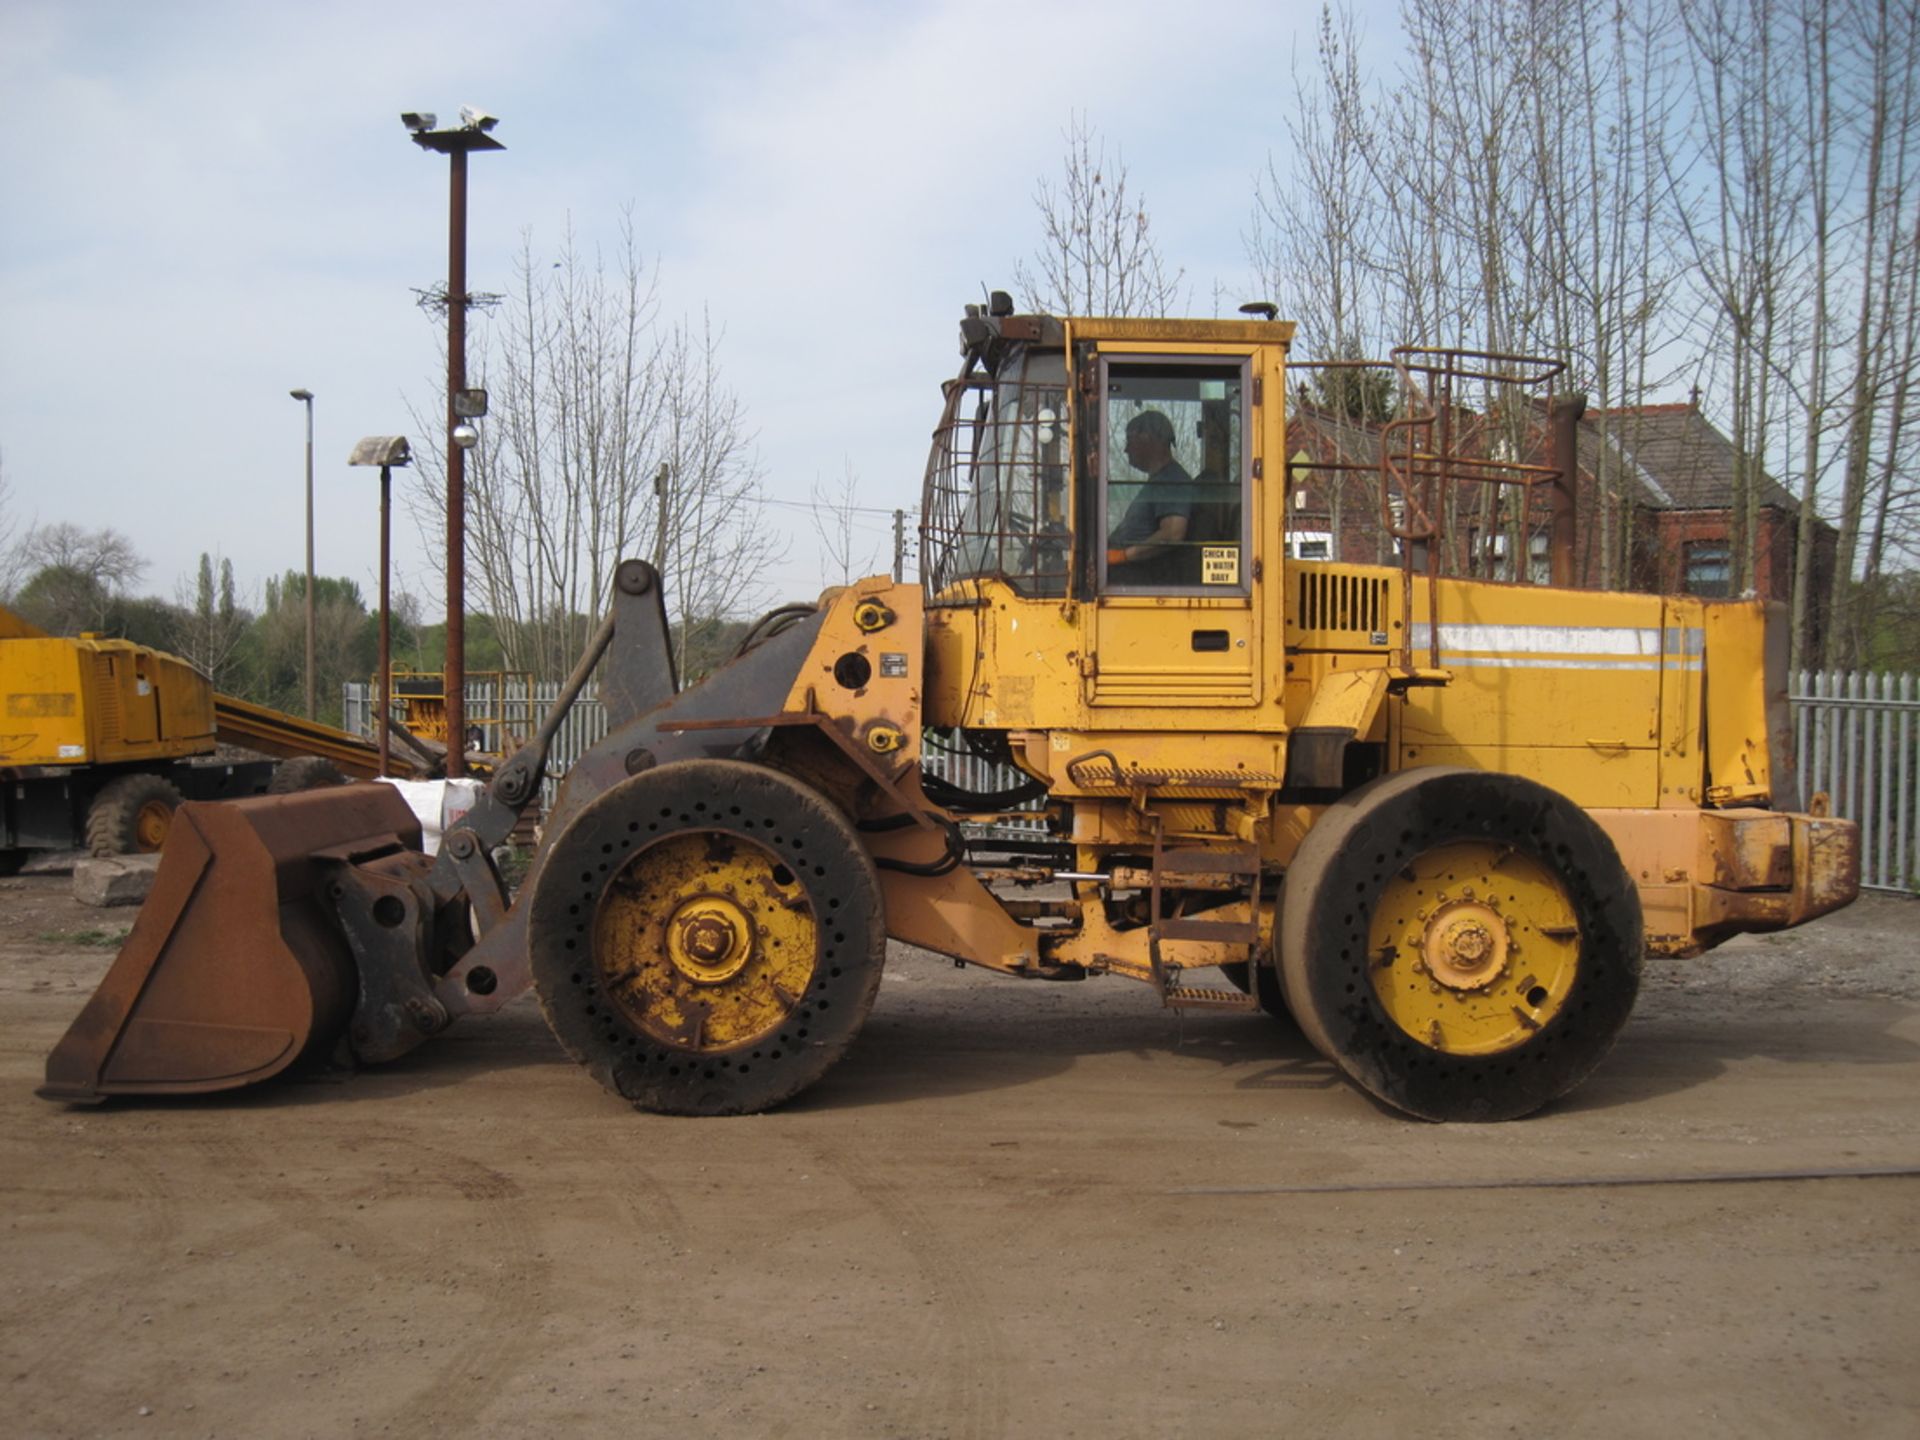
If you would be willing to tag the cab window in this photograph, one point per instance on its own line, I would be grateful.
(1172, 487)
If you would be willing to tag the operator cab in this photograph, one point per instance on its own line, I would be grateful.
(1157, 492)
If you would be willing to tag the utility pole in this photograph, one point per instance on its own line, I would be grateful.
(899, 546)
(661, 477)
(455, 145)
(305, 397)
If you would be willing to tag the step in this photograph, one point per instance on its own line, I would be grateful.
(1201, 997)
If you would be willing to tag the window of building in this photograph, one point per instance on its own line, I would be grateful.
(1709, 569)
(1309, 545)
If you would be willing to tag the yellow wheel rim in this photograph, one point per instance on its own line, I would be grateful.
(706, 941)
(1473, 948)
(151, 824)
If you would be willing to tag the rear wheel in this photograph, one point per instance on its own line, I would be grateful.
(1464, 945)
(131, 815)
(707, 938)
(11, 861)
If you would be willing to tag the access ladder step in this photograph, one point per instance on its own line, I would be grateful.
(1201, 997)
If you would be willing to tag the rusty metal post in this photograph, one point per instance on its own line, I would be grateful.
(455, 145)
(1563, 415)
(456, 664)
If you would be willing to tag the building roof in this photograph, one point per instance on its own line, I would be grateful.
(1677, 455)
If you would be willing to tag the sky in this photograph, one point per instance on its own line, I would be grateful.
(204, 206)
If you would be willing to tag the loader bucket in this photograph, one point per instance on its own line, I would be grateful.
(235, 967)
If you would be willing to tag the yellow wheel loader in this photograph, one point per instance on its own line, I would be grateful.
(1439, 820)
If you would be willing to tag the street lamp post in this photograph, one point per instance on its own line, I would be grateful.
(306, 398)
(456, 144)
(386, 451)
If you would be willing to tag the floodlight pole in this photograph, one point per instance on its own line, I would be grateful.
(455, 144)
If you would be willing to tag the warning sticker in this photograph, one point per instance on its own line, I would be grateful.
(1219, 564)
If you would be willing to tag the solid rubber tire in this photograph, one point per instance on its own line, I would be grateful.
(1335, 882)
(774, 812)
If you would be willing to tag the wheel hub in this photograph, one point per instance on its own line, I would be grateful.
(710, 939)
(706, 940)
(151, 825)
(1474, 948)
(1465, 944)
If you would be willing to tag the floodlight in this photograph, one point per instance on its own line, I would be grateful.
(419, 120)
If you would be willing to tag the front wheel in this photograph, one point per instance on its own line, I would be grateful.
(707, 937)
(1464, 945)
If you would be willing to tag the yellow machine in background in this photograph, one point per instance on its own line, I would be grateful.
(101, 739)
(1438, 821)
(498, 713)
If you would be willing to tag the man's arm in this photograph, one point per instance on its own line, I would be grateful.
(1171, 530)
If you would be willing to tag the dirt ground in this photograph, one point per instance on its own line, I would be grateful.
(1014, 1210)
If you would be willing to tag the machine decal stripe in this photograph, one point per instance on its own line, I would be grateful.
(1487, 662)
(1562, 639)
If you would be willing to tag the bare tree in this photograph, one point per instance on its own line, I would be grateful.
(75, 576)
(1895, 532)
(1619, 185)
(1605, 259)
(711, 531)
(1318, 257)
(834, 513)
(603, 426)
(12, 561)
(1740, 231)
(1098, 255)
(1501, 195)
(1887, 48)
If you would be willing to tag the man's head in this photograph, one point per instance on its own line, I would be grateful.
(1149, 441)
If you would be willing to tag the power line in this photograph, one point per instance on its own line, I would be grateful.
(830, 509)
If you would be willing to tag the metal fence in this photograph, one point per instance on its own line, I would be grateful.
(505, 714)
(1854, 735)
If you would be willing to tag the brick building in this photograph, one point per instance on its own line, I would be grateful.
(1669, 471)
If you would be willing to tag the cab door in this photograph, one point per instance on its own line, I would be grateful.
(1169, 445)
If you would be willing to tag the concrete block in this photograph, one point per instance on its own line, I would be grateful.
(114, 879)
